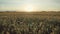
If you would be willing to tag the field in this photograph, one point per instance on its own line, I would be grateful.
(29, 22)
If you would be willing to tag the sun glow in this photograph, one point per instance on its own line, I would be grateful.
(28, 8)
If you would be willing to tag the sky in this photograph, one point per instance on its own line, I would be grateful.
(29, 5)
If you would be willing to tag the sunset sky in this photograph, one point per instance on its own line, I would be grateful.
(29, 5)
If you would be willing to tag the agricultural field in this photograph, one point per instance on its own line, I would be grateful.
(29, 22)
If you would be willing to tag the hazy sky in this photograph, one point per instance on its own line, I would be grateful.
(21, 5)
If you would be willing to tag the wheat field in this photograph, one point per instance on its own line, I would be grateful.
(30, 23)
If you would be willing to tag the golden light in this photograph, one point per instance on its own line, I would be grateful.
(28, 8)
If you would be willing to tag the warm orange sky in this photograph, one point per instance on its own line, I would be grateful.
(29, 5)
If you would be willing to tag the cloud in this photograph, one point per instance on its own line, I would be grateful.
(39, 4)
